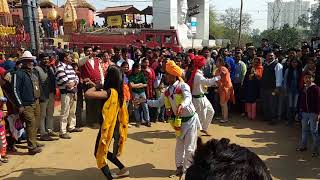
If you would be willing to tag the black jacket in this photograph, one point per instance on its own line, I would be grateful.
(47, 82)
(26, 87)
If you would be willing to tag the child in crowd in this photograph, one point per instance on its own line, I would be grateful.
(3, 134)
(252, 87)
(138, 83)
(309, 106)
(226, 92)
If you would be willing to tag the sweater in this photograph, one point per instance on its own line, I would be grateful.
(26, 87)
(92, 73)
(309, 100)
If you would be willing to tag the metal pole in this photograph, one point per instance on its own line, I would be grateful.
(35, 19)
(240, 25)
(192, 41)
(27, 19)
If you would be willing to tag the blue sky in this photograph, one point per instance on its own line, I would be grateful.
(257, 8)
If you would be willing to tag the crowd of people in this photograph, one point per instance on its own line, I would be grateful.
(51, 28)
(188, 90)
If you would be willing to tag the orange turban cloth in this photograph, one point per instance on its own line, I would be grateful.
(173, 69)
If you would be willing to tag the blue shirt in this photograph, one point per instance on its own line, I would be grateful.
(231, 66)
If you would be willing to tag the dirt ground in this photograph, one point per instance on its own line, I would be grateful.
(149, 153)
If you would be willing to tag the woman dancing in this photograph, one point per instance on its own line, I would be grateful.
(114, 122)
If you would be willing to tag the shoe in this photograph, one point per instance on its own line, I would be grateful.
(46, 137)
(223, 120)
(40, 145)
(301, 149)
(35, 151)
(65, 136)
(148, 124)
(179, 171)
(315, 154)
(129, 126)
(205, 133)
(4, 159)
(75, 130)
(138, 125)
(121, 174)
(53, 134)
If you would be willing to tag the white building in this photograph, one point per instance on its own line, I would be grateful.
(166, 14)
(281, 13)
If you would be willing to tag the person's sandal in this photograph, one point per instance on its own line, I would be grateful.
(4, 159)
(315, 154)
(121, 174)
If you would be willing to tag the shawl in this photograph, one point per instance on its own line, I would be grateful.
(112, 113)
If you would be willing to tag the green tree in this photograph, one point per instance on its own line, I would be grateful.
(231, 19)
(286, 36)
(315, 21)
(216, 29)
(303, 21)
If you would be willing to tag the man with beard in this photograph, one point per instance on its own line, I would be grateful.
(48, 88)
(26, 87)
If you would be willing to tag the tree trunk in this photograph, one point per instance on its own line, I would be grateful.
(240, 25)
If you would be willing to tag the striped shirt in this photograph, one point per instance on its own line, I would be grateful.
(65, 74)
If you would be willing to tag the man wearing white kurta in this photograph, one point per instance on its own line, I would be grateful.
(186, 142)
(203, 106)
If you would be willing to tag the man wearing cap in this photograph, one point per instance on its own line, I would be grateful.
(177, 99)
(198, 84)
(48, 89)
(26, 87)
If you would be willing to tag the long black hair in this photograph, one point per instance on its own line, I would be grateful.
(291, 70)
(114, 79)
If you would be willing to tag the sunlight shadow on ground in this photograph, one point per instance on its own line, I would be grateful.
(54, 174)
(144, 136)
(148, 170)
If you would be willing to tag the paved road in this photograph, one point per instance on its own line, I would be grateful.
(149, 153)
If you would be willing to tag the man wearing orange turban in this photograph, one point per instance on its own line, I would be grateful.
(173, 69)
(180, 101)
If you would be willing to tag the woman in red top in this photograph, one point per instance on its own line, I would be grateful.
(225, 88)
(151, 77)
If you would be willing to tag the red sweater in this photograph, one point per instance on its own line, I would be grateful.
(150, 76)
(88, 72)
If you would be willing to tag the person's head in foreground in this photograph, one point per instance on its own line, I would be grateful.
(220, 160)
